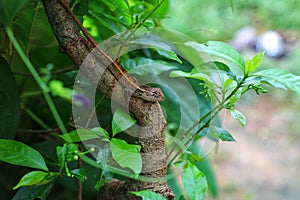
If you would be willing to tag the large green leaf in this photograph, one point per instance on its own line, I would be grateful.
(17, 153)
(126, 155)
(32, 28)
(31, 178)
(219, 51)
(281, 77)
(35, 192)
(194, 182)
(149, 195)
(121, 121)
(9, 101)
(9, 9)
(82, 134)
(144, 66)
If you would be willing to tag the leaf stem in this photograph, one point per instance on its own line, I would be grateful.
(213, 113)
(38, 79)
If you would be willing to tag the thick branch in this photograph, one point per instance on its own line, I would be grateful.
(148, 114)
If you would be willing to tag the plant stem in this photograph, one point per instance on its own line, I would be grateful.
(38, 79)
(35, 117)
(214, 112)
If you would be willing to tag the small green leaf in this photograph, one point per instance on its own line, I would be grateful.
(168, 54)
(121, 121)
(36, 192)
(126, 155)
(194, 182)
(237, 115)
(82, 134)
(235, 97)
(80, 174)
(61, 155)
(17, 153)
(219, 133)
(254, 62)
(149, 195)
(31, 178)
(221, 51)
(194, 157)
(280, 78)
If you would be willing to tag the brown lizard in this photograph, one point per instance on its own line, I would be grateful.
(143, 91)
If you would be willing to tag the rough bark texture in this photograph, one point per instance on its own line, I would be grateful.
(149, 115)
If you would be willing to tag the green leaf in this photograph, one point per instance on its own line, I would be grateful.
(9, 9)
(121, 121)
(61, 155)
(281, 77)
(82, 134)
(168, 54)
(193, 157)
(221, 51)
(143, 66)
(80, 174)
(194, 182)
(252, 64)
(81, 8)
(32, 29)
(36, 192)
(219, 133)
(237, 115)
(9, 101)
(126, 155)
(17, 153)
(31, 178)
(149, 195)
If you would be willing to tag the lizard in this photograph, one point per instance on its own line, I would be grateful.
(145, 92)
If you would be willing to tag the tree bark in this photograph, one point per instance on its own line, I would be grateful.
(149, 115)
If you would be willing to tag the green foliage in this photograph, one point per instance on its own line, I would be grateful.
(194, 182)
(31, 178)
(215, 71)
(126, 155)
(148, 195)
(9, 101)
(121, 121)
(17, 153)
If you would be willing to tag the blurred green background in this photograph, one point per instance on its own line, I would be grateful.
(264, 163)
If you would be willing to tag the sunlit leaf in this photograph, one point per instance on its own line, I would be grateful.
(31, 178)
(280, 78)
(149, 195)
(194, 182)
(237, 115)
(121, 121)
(126, 155)
(35, 192)
(17, 153)
(81, 134)
(252, 64)
(219, 51)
